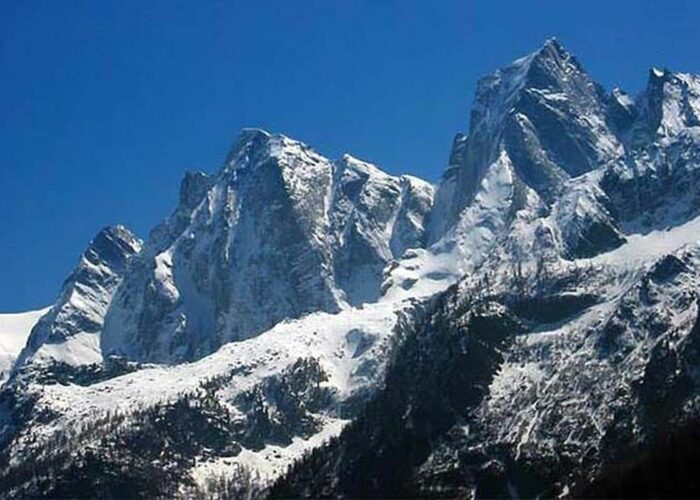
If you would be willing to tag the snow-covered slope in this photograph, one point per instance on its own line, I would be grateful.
(546, 376)
(274, 396)
(350, 348)
(14, 332)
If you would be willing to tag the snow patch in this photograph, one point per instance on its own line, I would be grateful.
(14, 332)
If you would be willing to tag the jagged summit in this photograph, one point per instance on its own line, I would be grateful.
(669, 105)
(498, 92)
(279, 232)
(553, 53)
(70, 332)
(112, 246)
(552, 44)
(253, 146)
(250, 135)
(549, 119)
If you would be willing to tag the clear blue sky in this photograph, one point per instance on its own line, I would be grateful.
(105, 104)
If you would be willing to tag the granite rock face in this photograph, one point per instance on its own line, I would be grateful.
(546, 114)
(279, 232)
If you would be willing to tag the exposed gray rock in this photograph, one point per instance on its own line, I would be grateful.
(546, 114)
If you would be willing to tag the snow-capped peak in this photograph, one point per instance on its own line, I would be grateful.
(545, 69)
(69, 333)
(550, 118)
(669, 105)
(279, 232)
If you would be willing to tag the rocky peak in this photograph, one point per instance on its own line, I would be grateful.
(113, 246)
(69, 333)
(546, 115)
(552, 67)
(550, 70)
(256, 148)
(279, 232)
(669, 105)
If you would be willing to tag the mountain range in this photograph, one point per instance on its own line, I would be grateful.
(301, 326)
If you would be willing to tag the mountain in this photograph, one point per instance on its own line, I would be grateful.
(306, 327)
(254, 307)
(658, 174)
(542, 112)
(68, 335)
(279, 232)
(566, 355)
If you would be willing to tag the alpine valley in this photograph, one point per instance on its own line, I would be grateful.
(307, 327)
